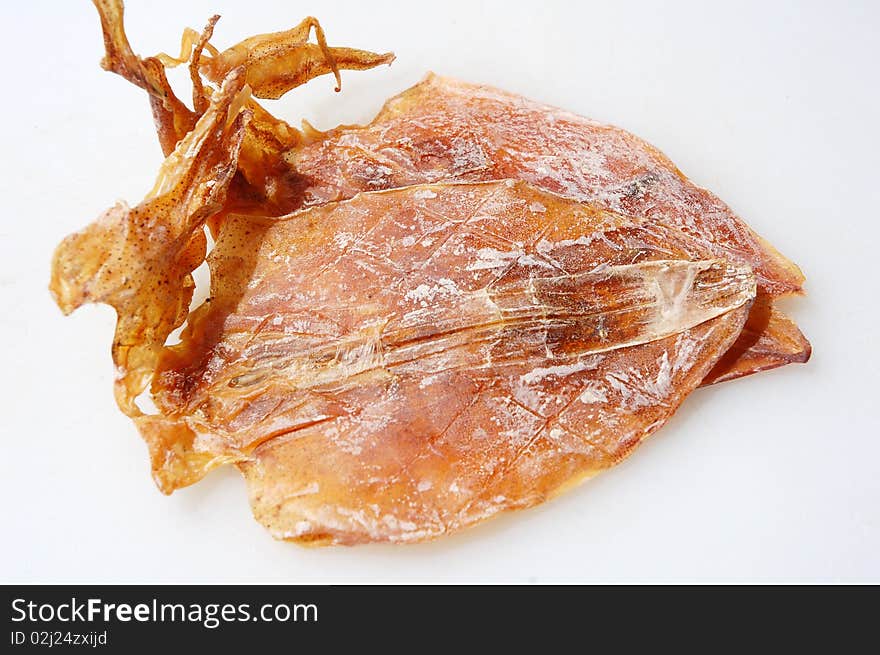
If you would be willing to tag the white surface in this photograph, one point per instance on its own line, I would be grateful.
(773, 106)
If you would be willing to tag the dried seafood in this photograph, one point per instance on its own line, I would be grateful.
(461, 308)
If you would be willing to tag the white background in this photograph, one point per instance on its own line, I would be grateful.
(774, 106)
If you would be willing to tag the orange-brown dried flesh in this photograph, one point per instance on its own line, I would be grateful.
(484, 301)
(443, 129)
(407, 363)
(769, 339)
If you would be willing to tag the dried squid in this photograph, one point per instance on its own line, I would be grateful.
(462, 308)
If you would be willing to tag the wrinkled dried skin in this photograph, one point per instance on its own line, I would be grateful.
(407, 363)
(139, 259)
(443, 129)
